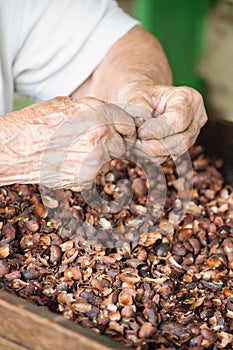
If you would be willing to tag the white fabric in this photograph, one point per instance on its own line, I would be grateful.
(49, 47)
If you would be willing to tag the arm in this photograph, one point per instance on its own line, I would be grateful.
(138, 55)
(61, 143)
(135, 72)
(24, 135)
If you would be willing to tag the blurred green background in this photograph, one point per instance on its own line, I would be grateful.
(21, 101)
(179, 25)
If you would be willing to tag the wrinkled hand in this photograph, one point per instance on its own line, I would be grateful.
(63, 143)
(100, 132)
(173, 117)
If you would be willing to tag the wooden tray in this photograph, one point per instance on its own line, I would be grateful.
(25, 326)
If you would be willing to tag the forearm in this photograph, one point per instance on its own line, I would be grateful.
(19, 162)
(136, 75)
(24, 136)
(61, 143)
(136, 57)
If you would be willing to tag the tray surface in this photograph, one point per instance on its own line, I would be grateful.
(25, 326)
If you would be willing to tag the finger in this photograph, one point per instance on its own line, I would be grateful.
(91, 166)
(82, 162)
(123, 122)
(114, 146)
(138, 107)
(172, 145)
(105, 115)
(180, 109)
(176, 119)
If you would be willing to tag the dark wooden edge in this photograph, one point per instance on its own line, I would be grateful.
(217, 138)
(8, 345)
(27, 325)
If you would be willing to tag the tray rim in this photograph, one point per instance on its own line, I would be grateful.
(57, 322)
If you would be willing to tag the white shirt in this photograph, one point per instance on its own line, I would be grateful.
(49, 47)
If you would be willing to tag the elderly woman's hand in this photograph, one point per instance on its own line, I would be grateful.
(173, 117)
(62, 143)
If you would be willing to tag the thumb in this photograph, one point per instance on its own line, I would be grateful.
(123, 122)
(115, 146)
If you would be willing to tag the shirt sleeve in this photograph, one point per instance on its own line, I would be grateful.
(62, 42)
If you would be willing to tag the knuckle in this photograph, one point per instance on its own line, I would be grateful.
(190, 94)
(103, 129)
(181, 122)
(194, 95)
(197, 95)
(184, 92)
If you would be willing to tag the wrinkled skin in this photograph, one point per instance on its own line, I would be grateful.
(62, 143)
(135, 75)
(173, 117)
